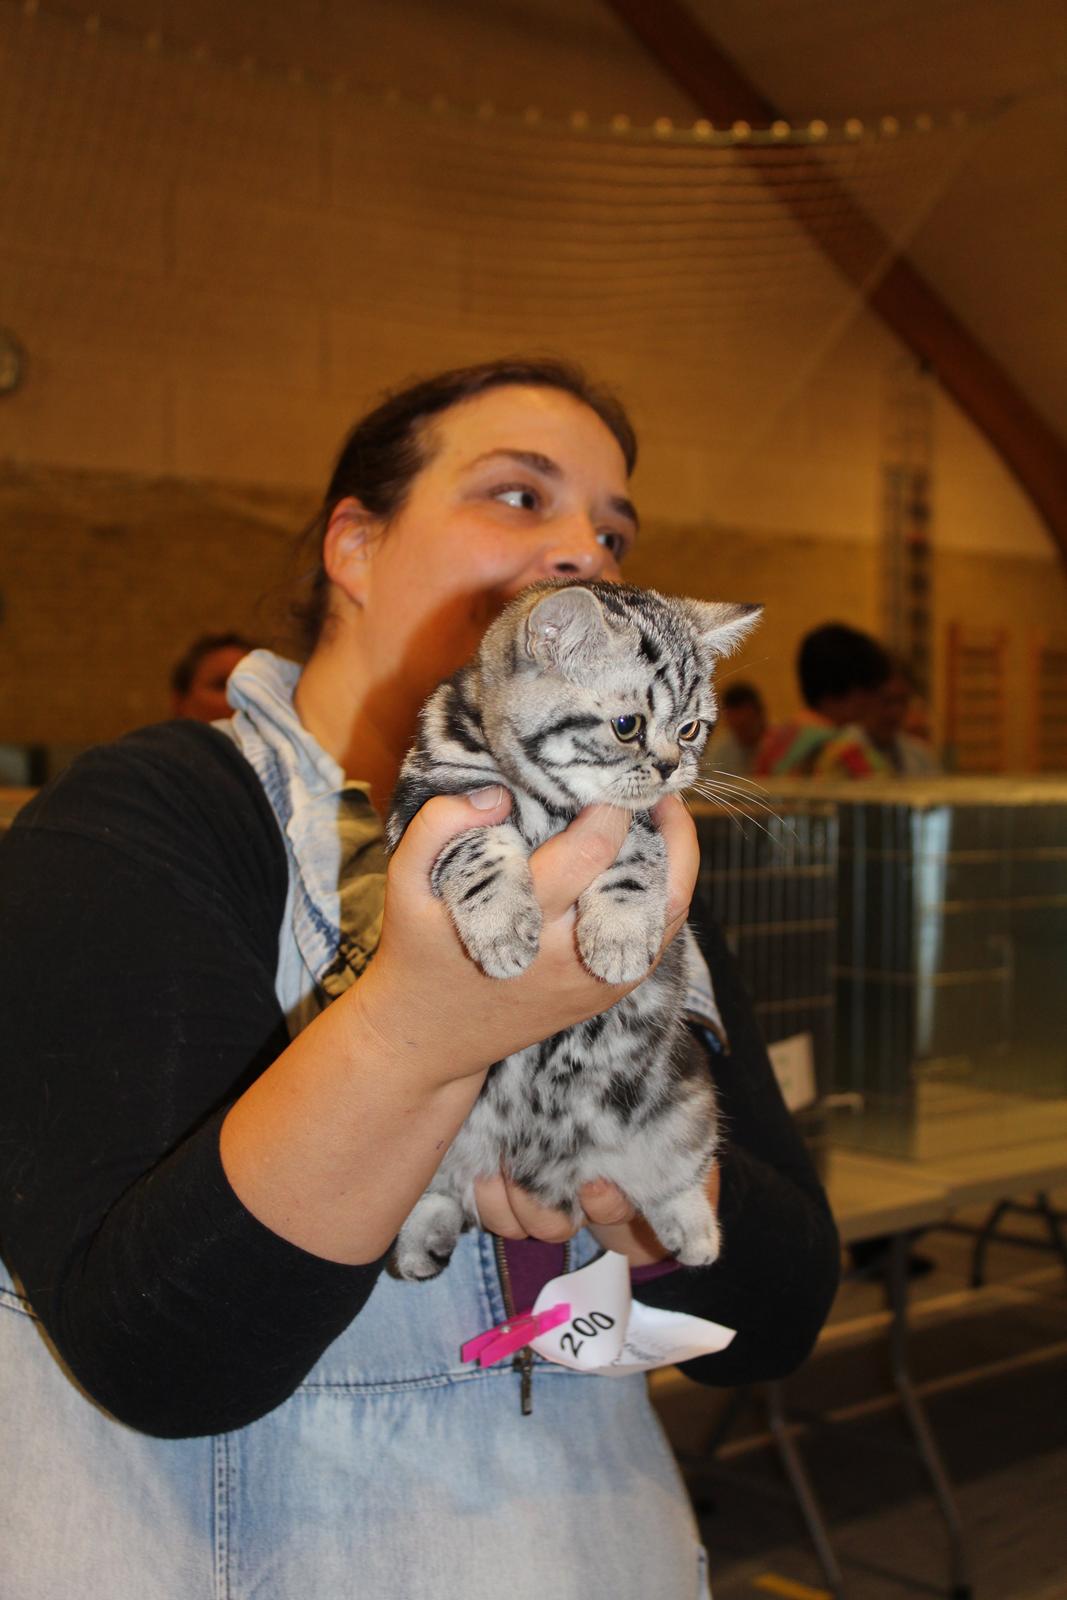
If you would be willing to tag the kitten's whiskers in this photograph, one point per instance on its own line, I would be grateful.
(716, 793)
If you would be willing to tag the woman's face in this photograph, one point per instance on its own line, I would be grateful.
(522, 484)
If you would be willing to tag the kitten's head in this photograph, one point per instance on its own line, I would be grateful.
(600, 692)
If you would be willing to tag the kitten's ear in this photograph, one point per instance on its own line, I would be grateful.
(567, 629)
(722, 626)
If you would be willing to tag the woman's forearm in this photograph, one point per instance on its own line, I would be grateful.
(332, 1146)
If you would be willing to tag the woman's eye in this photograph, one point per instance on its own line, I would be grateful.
(613, 542)
(520, 496)
(688, 732)
(627, 728)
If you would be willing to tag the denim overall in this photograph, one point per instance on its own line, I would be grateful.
(393, 1473)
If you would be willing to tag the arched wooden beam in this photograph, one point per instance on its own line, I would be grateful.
(1035, 452)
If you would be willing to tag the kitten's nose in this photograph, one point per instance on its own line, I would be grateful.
(665, 768)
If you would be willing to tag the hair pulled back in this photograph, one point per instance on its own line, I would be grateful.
(184, 670)
(835, 659)
(388, 448)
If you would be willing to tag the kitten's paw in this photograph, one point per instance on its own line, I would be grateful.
(484, 879)
(700, 1250)
(617, 944)
(688, 1227)
(426, 1241)
(502, 935)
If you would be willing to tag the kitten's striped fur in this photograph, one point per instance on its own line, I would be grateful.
(613, 1097)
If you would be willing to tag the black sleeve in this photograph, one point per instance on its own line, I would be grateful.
(777, 1275)
(140, 901)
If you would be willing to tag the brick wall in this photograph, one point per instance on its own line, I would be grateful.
(106, 579)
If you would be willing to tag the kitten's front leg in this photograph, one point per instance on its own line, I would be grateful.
(622, 914)
(483, 876)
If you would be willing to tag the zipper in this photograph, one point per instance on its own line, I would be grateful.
(522, 1360)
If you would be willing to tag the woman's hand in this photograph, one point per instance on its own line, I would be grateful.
(633, 1237)
(427, 1003)
(332, 1146)
(513, 1213)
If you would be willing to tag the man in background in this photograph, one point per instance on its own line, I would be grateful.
(741, 727)
(886, 725)
(841, 672)
(198, 679)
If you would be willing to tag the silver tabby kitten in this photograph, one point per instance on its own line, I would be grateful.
(581, 692)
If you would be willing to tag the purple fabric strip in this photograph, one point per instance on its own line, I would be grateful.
(532, 1264)
(655, 1269)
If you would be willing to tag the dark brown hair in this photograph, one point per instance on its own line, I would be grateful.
(835, 659)
(385, 452)
(184, 670)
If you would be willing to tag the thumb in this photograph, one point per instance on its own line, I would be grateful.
(440, 819)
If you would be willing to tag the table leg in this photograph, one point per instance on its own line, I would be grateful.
(1042, 1207)
(802, 1487)
(1053, 1218)
(738, 1399)
(981, 1244)
(916, 1416)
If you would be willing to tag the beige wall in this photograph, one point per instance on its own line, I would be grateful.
(212, 274)
(107, 577)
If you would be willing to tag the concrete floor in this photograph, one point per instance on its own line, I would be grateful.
(991, 1366)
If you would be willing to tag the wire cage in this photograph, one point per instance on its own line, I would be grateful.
(769, 877)
(951, 965)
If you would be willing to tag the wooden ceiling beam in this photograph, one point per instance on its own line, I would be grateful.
(1034, 452)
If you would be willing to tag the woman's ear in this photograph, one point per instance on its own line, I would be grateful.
(346, 548)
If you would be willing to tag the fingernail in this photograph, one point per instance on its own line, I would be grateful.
(486, 799)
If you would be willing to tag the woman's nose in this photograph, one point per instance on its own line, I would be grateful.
(575, 551)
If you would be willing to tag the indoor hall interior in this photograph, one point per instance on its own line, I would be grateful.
(819, 251)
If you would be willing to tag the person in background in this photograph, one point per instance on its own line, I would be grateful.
(841, 672)
(741, 728)
(858, 698)
(885, 723)
(198, 680)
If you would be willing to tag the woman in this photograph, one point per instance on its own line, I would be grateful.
(206, 1163)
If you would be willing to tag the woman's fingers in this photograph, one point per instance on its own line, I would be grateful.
(513, 1213)
(565, 865)
(539, 1221)
(604, 1203)
(679, 834)
(494, 1209)
(438, 821)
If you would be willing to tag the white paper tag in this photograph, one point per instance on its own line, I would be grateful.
(793, 1060)
(611, 1333)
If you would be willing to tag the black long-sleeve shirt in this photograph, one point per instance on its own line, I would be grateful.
(141, 896)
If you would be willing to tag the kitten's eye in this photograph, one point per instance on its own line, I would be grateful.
(518, 495)
(628, 728)
(689, 731)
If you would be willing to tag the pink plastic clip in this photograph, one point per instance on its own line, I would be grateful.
(507, 1337)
